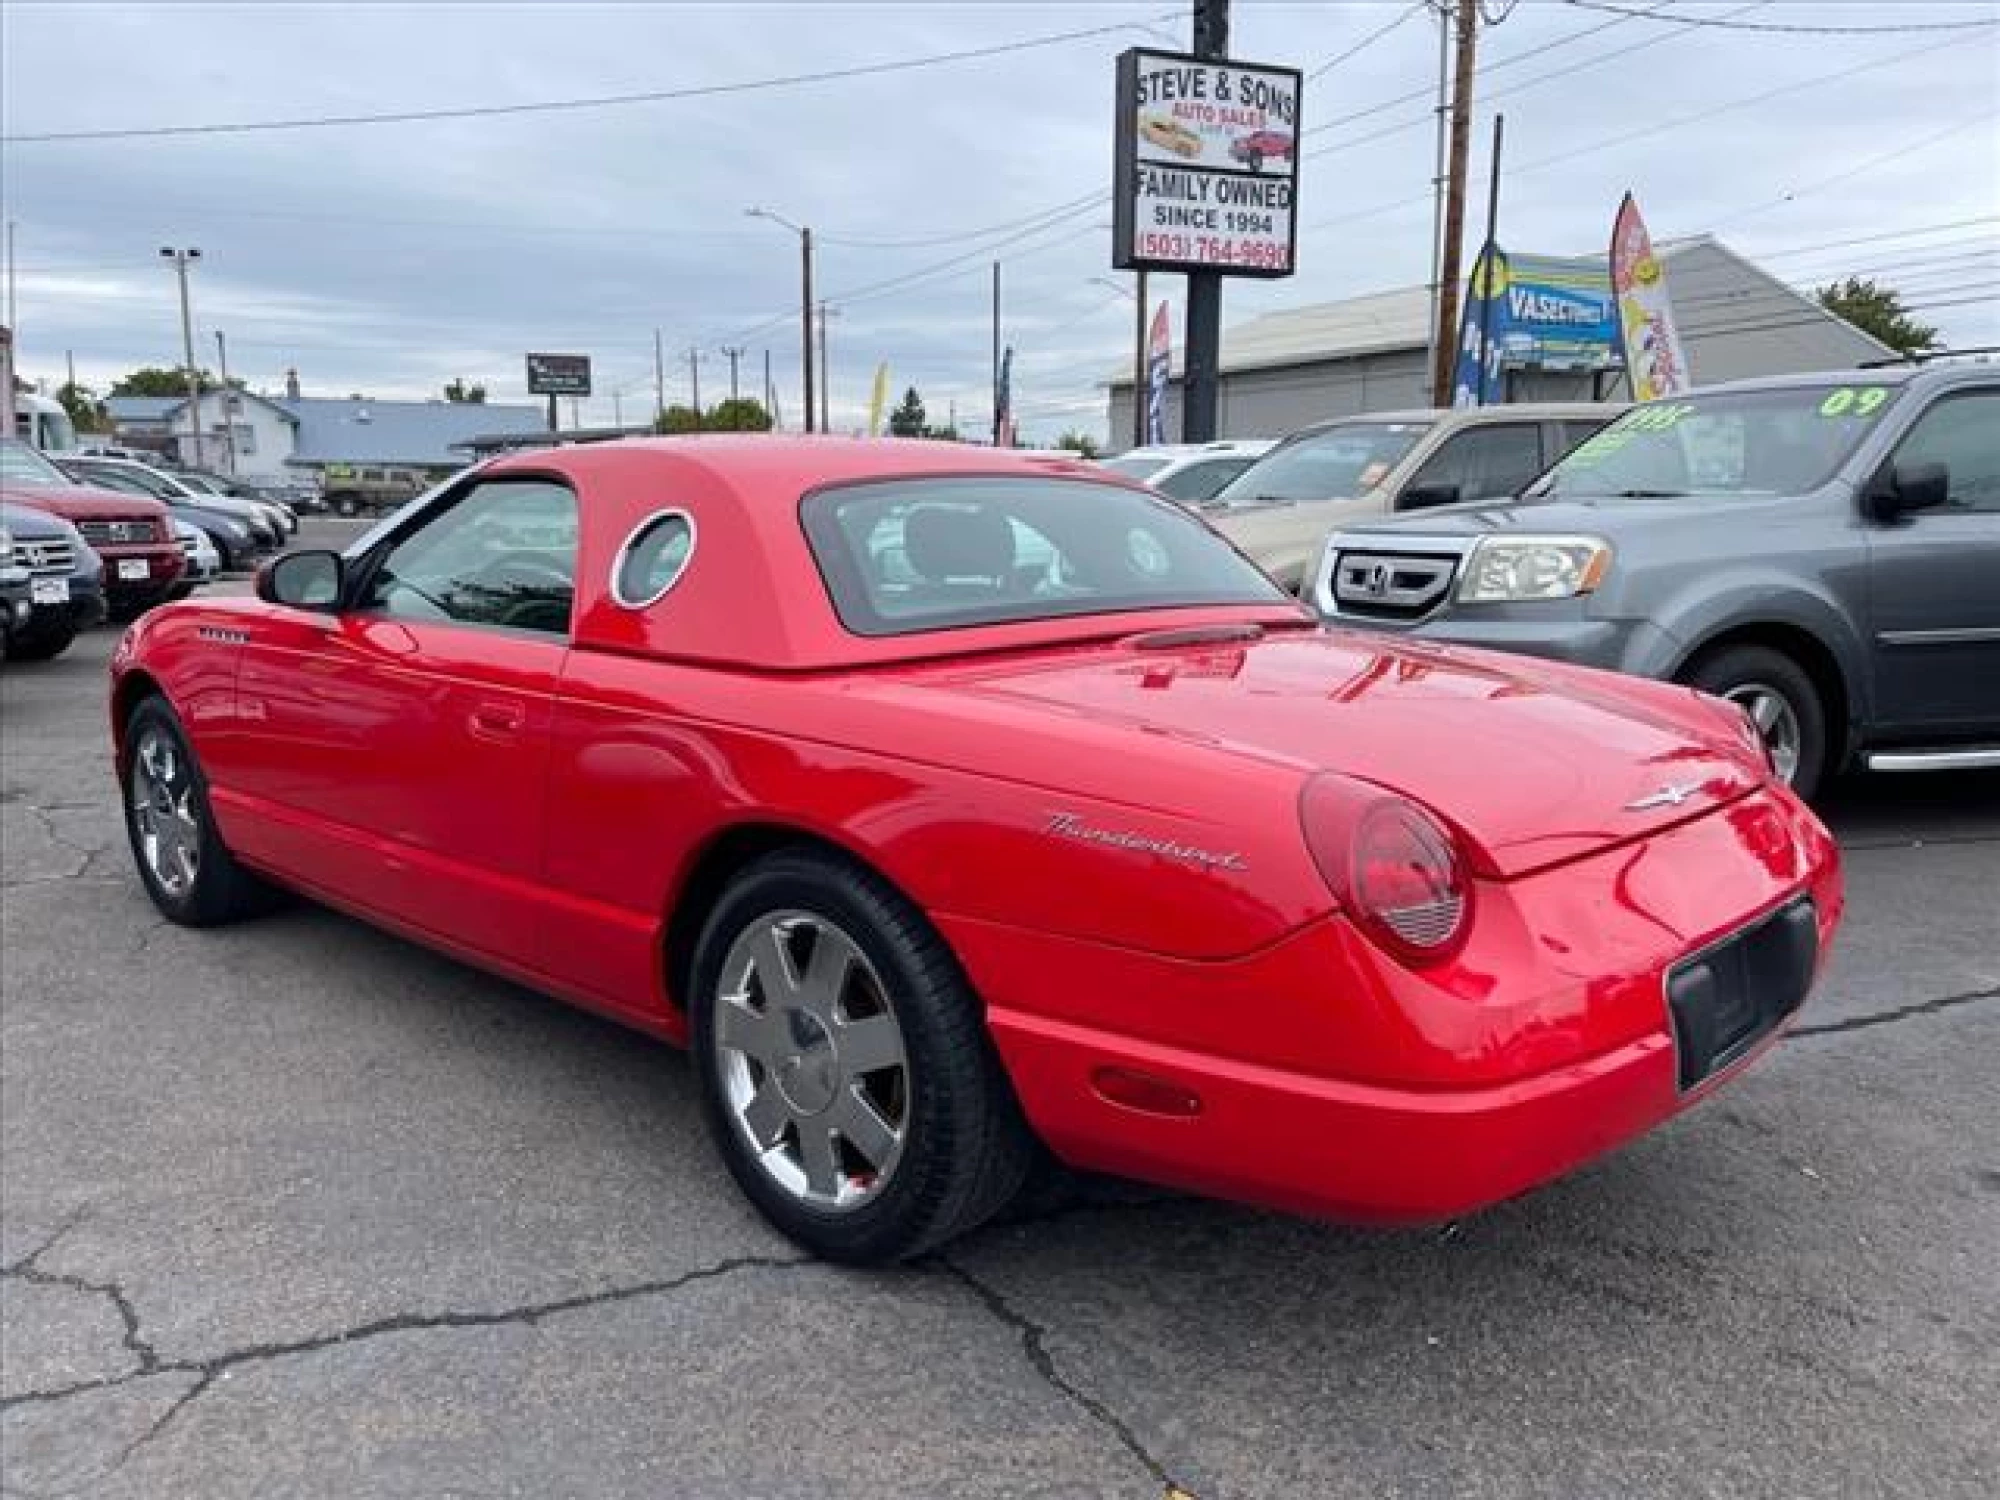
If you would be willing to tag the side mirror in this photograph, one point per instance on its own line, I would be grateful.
(303, 580)
(1424, 496)
(1906, 488)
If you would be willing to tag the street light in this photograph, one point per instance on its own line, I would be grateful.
(805, 296)
(1138, 352)
(180, 258)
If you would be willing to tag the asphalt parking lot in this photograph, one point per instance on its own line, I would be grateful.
(295, 1208)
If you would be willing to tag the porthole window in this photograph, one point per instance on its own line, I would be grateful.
(653, 559)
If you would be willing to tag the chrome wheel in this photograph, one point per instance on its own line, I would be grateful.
(164, 803)
(1776, 720)
(815, 1078)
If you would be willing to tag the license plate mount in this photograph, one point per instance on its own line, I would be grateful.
(134, 568)
(1735, 992)
(48, 591)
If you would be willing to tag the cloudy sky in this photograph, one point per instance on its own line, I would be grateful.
(390, 257)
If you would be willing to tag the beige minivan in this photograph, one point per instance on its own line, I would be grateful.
(1281, 508)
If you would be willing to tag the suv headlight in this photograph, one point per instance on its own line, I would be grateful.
(1504, 570)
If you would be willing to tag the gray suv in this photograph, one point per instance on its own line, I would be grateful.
(1822, 549)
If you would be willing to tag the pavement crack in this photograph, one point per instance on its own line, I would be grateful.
(1900, 1013)
(136, 1343)
(207, 1371)
(1034, 1344)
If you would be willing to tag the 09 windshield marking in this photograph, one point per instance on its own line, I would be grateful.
(1729, 444)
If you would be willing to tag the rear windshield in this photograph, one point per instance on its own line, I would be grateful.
(907, 555)
(1334, 464)
(1725, 445)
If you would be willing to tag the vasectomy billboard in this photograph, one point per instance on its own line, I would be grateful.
(1541, 312)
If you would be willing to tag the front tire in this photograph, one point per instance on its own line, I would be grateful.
(1778, 695)
(43, 643)
(345, 506)
(845, 1069)
(186, 868)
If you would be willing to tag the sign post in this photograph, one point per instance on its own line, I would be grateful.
(1206, 184)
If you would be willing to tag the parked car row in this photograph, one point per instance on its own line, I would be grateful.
(77, 552)
(1821, 549)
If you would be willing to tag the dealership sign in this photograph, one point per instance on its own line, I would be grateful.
(558, 374)
(1207, 165)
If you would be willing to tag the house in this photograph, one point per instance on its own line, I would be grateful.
(1286, 369)
(280, 436)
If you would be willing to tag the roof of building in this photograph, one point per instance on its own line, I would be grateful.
(1387, 322)
(141, 408)
(428, 433)
(179, 405)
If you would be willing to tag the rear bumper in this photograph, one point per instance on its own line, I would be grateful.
(164, 568)
(1333, 1082)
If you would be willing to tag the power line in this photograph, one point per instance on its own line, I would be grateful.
(1867, 165)
(600, 101)
(1367, 41)
(1657, 13)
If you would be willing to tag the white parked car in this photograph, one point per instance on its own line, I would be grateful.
(204, 563)
(1190, 473)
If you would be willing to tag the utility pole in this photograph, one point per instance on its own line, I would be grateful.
(732, 355)
(806, 318)
(69, 359)
(1454, 202)
(996, 353)
(659, 380)
(1443, 117)
(770, 397)
(1202, 374)
(180, 258)
(1486, 258)
(694, 379)
(226, 397)
(618, 409)
(10, 279)
(825, 372)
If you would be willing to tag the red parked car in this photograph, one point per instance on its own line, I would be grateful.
(952, 804)
(1254, 148)
(143, 560)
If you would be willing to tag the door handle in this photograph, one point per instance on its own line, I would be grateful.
(496, 721)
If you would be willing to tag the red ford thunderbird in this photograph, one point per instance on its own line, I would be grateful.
(953, 806)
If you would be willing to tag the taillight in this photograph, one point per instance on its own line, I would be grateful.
(1395, 868)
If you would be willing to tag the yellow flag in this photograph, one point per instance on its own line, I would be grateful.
(879, 399)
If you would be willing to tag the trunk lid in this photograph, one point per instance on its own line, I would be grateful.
(1535, 762)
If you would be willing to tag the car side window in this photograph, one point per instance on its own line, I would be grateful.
(502, 556)
(1199, 481)
(1962, 433)
(1486, 463)
(1574, 434)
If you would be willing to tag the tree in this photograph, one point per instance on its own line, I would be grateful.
(153, 380)
(471, 395)
(85, 410)
(678, 419)
(1078, 442)
(737, 414)
(907, 420)
(1878, 310)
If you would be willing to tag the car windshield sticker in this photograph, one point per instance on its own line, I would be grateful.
(1596, 450)
(1657, 418)
(1850, 401)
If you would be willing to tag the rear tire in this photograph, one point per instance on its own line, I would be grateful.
(345, 506)
(185, 867)
(1777, 693)
(867, 1007)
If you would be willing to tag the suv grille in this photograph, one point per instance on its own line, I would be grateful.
(53, 558)
(116, 533)
(1391, 586)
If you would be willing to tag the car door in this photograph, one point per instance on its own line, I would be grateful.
(395, 752)
(1492, 461)
(1935, 579)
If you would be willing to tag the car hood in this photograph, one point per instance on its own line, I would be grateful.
(1609, 517)
(1534, 762)
(31, 523)
(78, 502)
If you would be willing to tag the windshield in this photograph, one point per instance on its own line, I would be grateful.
(1136, 465)
(906, 555)
(20, 464)
(1775, 442)
(133, 477)
(1328, 465)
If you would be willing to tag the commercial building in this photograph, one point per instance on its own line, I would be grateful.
(1286, 369)
(283, 436)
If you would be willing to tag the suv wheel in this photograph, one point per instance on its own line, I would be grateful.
(1778, 695)
(345, 505)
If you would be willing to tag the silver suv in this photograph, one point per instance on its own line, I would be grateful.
(1279, 510)
(1822, 549)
